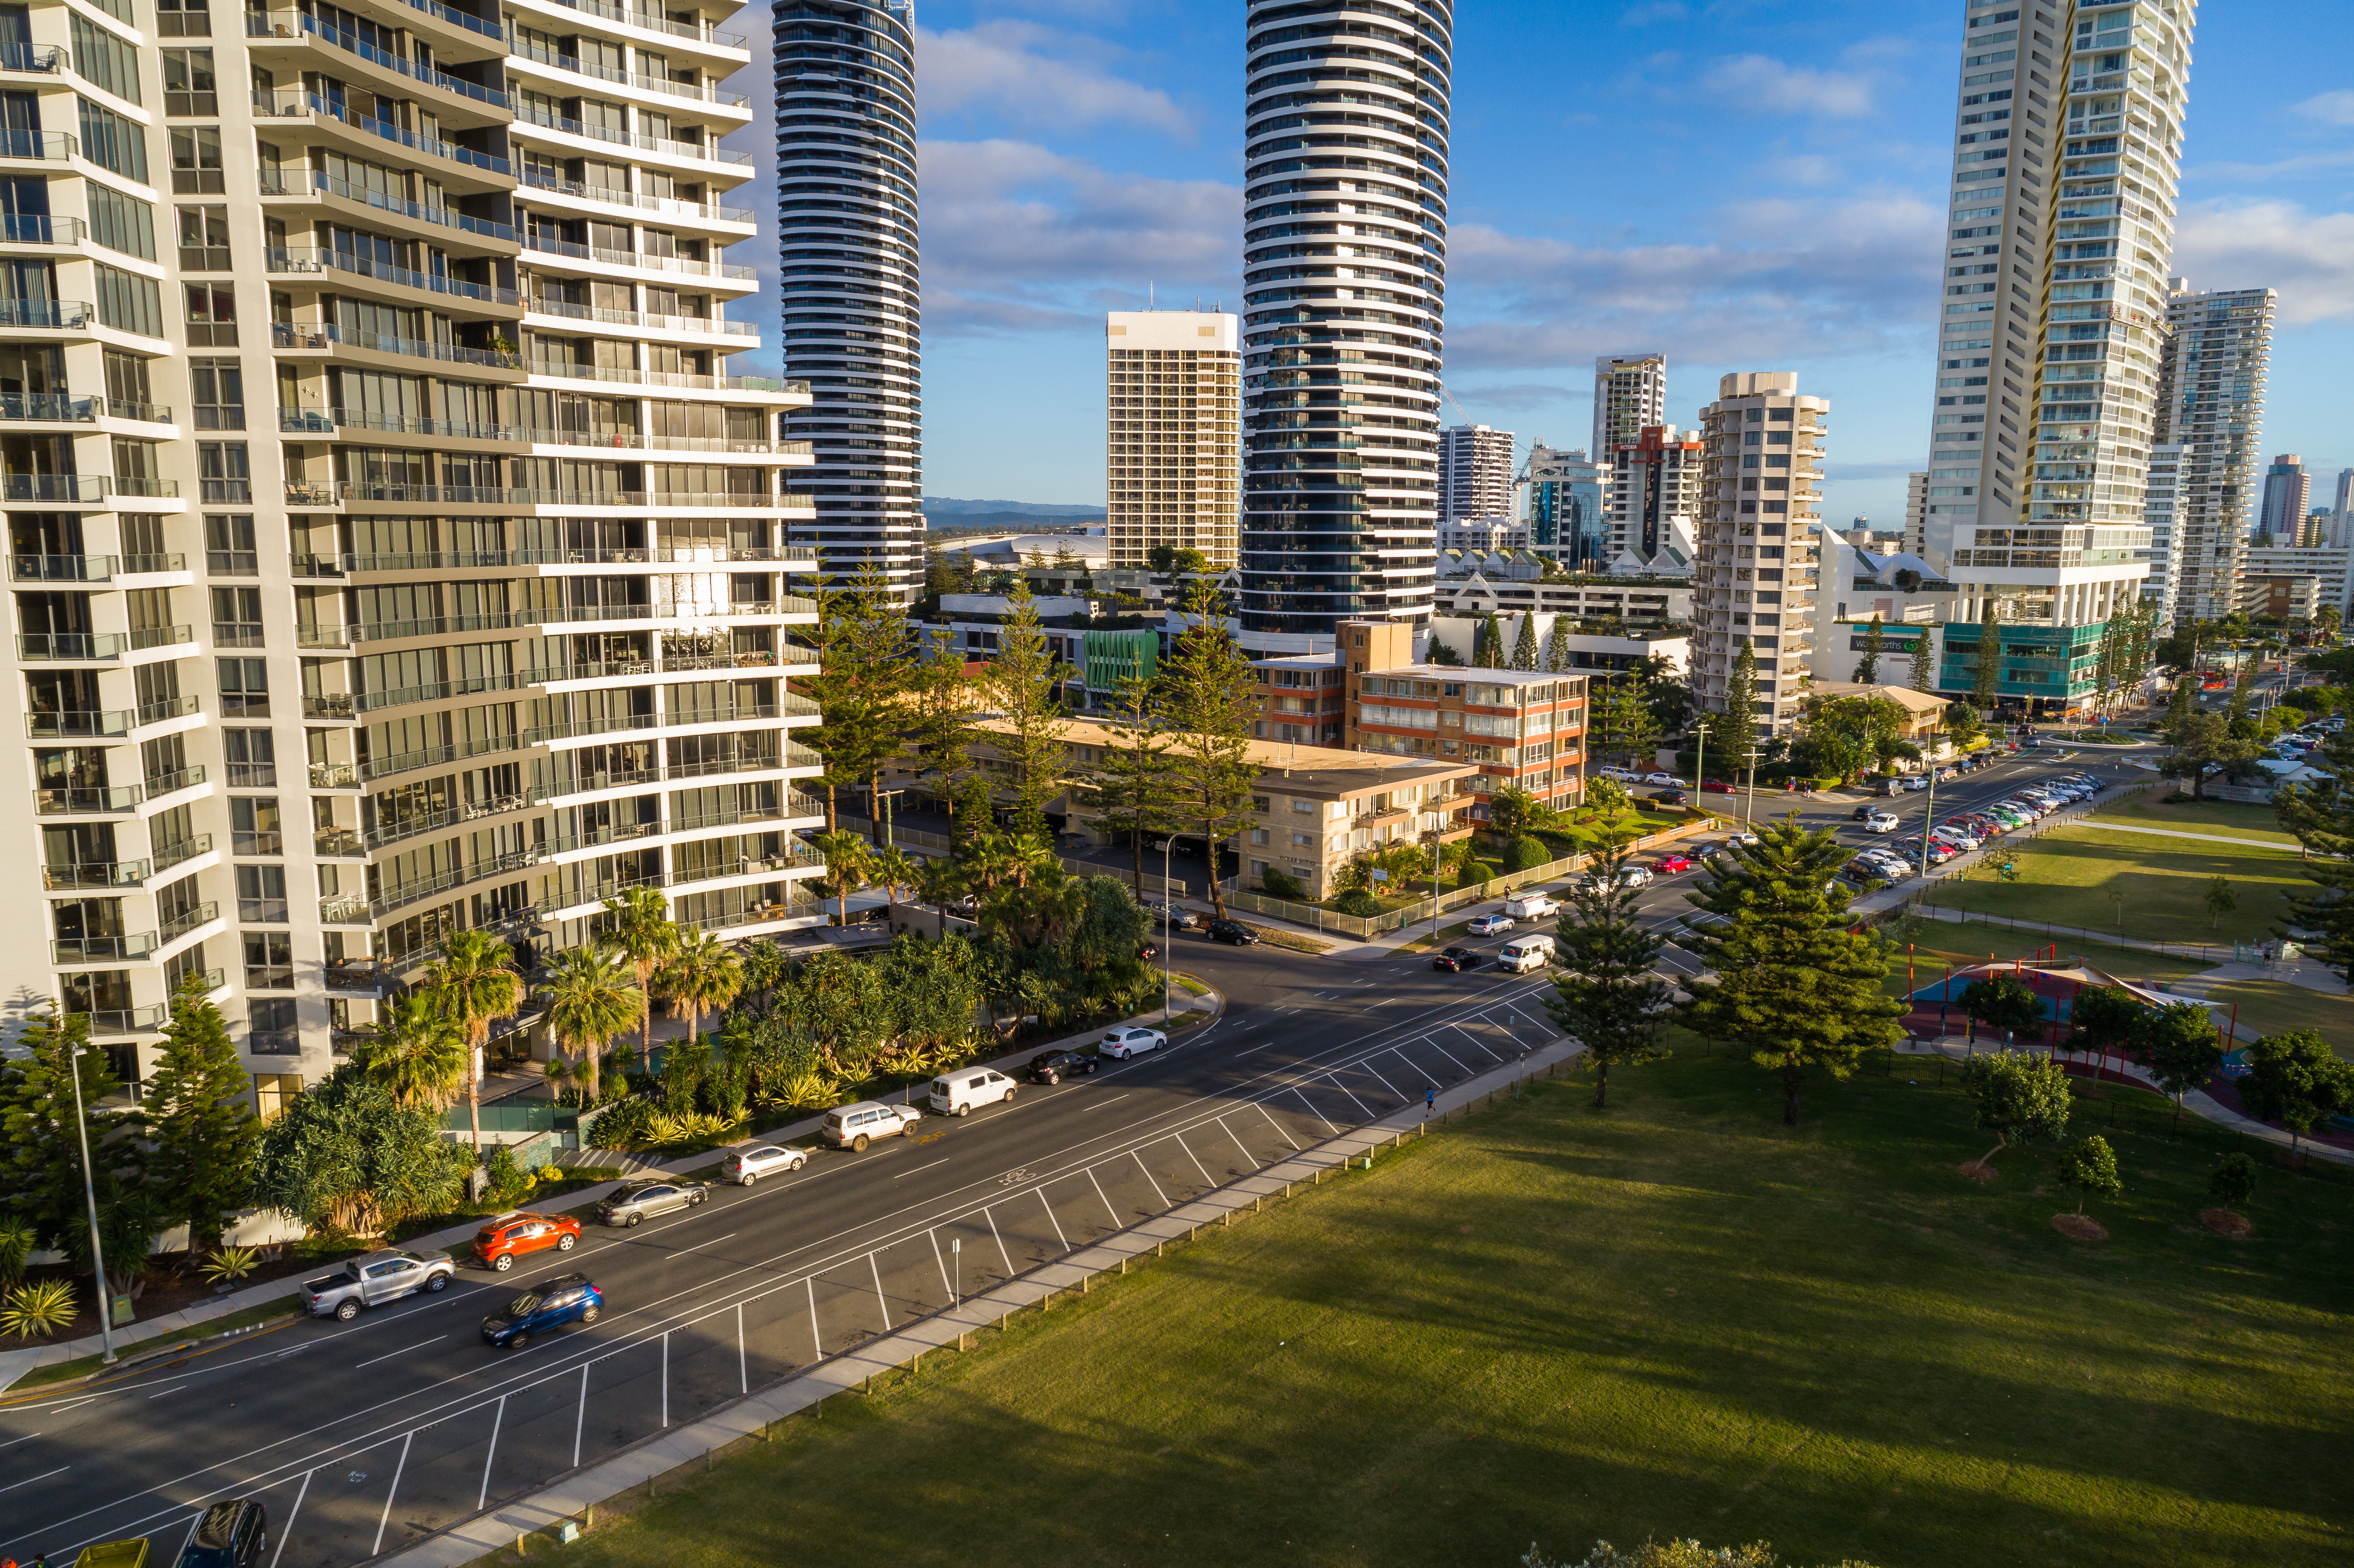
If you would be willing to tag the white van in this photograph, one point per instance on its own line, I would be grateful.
(957, 1093)
(1530, 905)
(1525, 953)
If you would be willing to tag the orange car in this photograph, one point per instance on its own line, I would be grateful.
(501, 1240)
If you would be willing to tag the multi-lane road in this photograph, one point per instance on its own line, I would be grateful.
(359, 1437)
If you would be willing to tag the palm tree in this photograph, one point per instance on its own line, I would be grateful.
(639, 928)
(418, 1051)
(590, 1001)
(702, 976)
(849, 865)
(477, 980)
(894, 869)
(764, 966)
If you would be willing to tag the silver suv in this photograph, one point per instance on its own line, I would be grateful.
(373, 1280)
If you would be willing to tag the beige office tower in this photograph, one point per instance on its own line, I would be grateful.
(1917, 511)
(1172, 446)
(2066, 164)
(2210, 402)
(1631, 394)
(393, 552)
(1759, 573)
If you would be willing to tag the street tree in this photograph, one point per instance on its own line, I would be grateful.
(1022, 688)
(2219, 901)
(1875, 639)
(860, 687)
(1986, 685)
(40, 1140)
(2105, 1018)
(2234, 1182)
(2180, 1046)
(2293, 1078)
(1792, 986)
(346, 1156)
(1925, 661)
(1207, 697)
(2021, 1098)
(1732, 725)
(592, 998)
(1606, 995)
(198, 1115)
(637, 925)
(2322, 817)
(940, 719)
(849, 867)
(1131, 775)
(2089, 1166)
(2005, 1002)
(1524, 643)
(476, 978)
(418, 1051)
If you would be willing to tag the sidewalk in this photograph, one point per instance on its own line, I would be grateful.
(571, 1499)
(175, 1328)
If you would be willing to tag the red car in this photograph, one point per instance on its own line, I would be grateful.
(1714, 786)
(1669, 864)
(501, 1240)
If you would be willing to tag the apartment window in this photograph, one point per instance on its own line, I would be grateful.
(112, 142)
(164, 764)
(237, 617)
(273, 1092)
(261, 894)
(104, 60)
(269, 960)
(142, 546)
(221, 469)
(229, 541)
(127, 392)
(189, 84)
(196, 160)
(270, 1027)
(212, 315)
(184, 19)
(189, 960)
(203, 238)
(157, 686)
(252, 757)
(218, 387)
(128, 301)
(120, 222)
(244, 688)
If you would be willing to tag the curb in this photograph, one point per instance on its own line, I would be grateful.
(123, 1365)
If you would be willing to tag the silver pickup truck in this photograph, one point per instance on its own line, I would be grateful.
(373, 1280)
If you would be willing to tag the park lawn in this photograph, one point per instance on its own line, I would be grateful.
(2065, 879)
(1673, 1318)
(1943, 942)
(2230, 817)
(2275, 1007)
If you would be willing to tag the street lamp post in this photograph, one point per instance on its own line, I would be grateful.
(1749, 802)
(1168, 910)
(89, 1193)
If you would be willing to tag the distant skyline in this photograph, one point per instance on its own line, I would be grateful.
(1079, 153)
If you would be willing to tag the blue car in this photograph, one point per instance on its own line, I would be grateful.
(568, 1298)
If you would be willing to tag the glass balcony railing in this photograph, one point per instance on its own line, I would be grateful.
(187, 920)
(162, 636)
(103, 950)
(161, 784)
(70, 314)
(91, 801)
(291, 104)
(346, 909)
(47, 146)
(171, 855)
(70, 488)
(667, 205)
(656, 22)
(298, 259)
(43, 59)
(334, 775)
(70, 725)
(40, 228)
(711, 152)
(129, 1019)
(51, 407)
(95, 874)
(61, 569)
(291, 25)
(553, 247)
(165, 708)
(296, 182)
(71, 647)
(285, 334)
(705, 91)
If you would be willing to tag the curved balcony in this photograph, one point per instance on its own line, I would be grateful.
(292, 103)
(290, 26)
(315, 493)
(652, 22)
(298, 182)
(636, 259)
(703, 92)
(717, 326)
(526, 114)
(669, 207)
(284, 334)
(297, 259)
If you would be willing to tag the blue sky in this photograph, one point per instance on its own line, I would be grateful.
(1752, 185)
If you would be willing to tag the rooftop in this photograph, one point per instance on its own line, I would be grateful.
(1311, 771)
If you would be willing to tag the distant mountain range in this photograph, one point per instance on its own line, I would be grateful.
(947, 506)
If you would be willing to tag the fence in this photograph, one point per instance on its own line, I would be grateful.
(535, 1116)
(1362, 927)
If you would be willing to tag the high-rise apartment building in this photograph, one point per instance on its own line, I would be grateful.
(1651, 508)
(2287, 497)
(1917, 511)
(1759, 570)
(1344, 244)
(1475, 473)
(2210, 402)
(1631, 395)
(1172, 451)
(849, 296)
(2342, 509)
(1557, 501)
(2066, 167)
(2160, 497)
(423, 571)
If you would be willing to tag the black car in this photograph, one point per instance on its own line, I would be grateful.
(1232, 931)
(1054, 1066)
(1860, 812)
(229, 1535)
(1671, 798)
(1457, 960)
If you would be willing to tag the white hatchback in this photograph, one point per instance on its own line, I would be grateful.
(746, 1166)
(1126, 1043)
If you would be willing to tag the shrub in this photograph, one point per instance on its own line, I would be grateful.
(1527, 854)
(622, 1126)
(43, 1307)
(508, 1179)
(1476, 872)
(667, 1128)
(1357, 901)
(1281, 885)
(229, 1265)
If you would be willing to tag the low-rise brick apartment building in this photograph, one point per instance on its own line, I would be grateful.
(1514, 728)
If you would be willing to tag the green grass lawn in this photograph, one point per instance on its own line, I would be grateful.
(1672, 1318)
(2065, 879)
(2274, 1007)
(2229, 817)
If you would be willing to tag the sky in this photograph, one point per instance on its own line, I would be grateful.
(1745, 185)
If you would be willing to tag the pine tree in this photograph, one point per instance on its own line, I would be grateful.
(1732, 727)
(201, 1129)
(1559, 659)
(976, 810)
(1986, 690)
(1208, 702)
(1794, 987)
(1131, 783)
(2323, 820)
(1487, 644)
(861, 684)
(41, 1148)
(1524, 644)
(1023, 689)
(940, 712)
(1925, 661)
(1875, 638)
(1606, 995)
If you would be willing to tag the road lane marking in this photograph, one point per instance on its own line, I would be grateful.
(935, 1165)
(404, 1350)
(1149, 1176)
(44, 1476)
(14, 1441)
(1039, 1192)
(880, 1300)
(386, 1517)
(1399, 1051)
(1116, 1099)
(714, 1241)
(286, 1526)
(1261, 1106)
(1334, 1074)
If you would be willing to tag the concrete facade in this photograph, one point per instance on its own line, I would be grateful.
(1172, 446)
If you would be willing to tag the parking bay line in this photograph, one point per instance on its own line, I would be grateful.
(389, 1354)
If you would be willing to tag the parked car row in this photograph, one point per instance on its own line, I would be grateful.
(1969, 830)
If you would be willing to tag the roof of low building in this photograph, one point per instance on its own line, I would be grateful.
(1315, 772)
(1912, 702)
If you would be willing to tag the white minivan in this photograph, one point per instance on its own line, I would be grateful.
(1525, 953)
(957, 1093)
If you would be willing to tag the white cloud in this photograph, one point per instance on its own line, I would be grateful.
(1020, 238)
(1779, 281)
(2307, 256)
(1760, 83)
(2329, 108)
(1031, 74)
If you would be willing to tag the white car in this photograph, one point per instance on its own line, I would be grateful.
(1629, 877)
(1743, 837)
(1879, 822)
(954, 1093)
(1123, 1043)
(746, 1166)
(1913, 782)
(1661, 778)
